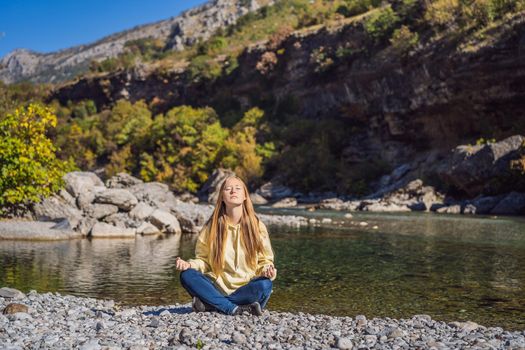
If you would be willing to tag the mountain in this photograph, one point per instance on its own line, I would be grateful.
(176, 33)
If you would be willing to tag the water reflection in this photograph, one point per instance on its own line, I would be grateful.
(133, 271)
(453, 268)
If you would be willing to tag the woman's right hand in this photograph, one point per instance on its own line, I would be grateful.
(181, 265)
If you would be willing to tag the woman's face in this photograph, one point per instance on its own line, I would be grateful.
(233, 193)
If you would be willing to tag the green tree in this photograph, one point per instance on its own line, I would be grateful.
(381, 24)
(29, 168)
(241, 151)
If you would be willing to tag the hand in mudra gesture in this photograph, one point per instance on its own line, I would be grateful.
(181, 265)
(269, 272)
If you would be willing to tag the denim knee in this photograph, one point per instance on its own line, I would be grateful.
(187, 275)
(264, 284)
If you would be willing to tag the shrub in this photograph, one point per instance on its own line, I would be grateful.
(204, 66)
(381, 24)
(404, 40)
(441, 13)
(279, 36)
(29, 168)
(352, 8)
(320, 57)
(267, 62)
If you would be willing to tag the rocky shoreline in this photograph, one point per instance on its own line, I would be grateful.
(470, 179)
(50, 321)
(123, 207)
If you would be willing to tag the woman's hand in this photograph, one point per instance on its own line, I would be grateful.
(269, 272)
(181, 265)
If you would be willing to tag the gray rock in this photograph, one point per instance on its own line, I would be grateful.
(85, 199)
(360, 321)
(385, 207)
(141, 211)
(192, 216)
(103, 230)
(257, 198)
(395, 333)
(34, 230)
(11, 293)
(468, 326)
(337, 204)
(469, 209)
(100, 211)
(123, 199)
(452, 209)
(344, 344)
(165, 221)
(210, 190)
(123, 180)
(54, 208)
(273, 190)
(77, 182)
(147, 229)
(122, 220)
(512, 204)
(67, 197)
(92, 344)
(285, 203)
(85, 225)
(471, 168)
(483, 205)
(238, 338)
(156, 194)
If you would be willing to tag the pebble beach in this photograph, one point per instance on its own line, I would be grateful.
(53, 321)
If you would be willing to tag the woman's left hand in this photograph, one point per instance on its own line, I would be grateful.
(270, 272)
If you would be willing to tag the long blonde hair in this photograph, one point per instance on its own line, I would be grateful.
(250, 233)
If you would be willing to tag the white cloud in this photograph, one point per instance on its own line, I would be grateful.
(2, 34)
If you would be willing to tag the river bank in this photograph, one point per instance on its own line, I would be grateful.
(55, 321)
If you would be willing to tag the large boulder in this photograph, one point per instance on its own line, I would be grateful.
(257, 199)
(104, 230)
(481, 168)
(141, 211)
(165, 221)
(34, 230)
(77, 182)
(123, 180)
(192, 216)
(11, 293)
(87, 198)
(210, 190)
(99, 211)
(512, 204)
(122, 220)
(123, 199)
(273, 190)
(147, 228)
(156, 194)
(55, 208)
(482, 205)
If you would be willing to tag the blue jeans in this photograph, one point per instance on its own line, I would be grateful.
(199, 285)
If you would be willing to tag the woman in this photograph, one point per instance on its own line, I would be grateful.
(233, 267)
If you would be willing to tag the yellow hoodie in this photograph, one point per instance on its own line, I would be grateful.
(236, 272)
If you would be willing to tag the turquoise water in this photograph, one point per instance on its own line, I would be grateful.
(450, 267)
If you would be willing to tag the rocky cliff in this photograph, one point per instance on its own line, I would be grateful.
(176, 32)
(448, 92)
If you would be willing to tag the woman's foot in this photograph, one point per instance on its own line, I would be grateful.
(198, 306)
(253, 309)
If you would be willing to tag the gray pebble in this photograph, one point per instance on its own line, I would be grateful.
(344, 344)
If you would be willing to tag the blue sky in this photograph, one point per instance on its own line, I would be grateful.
(50, 25)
